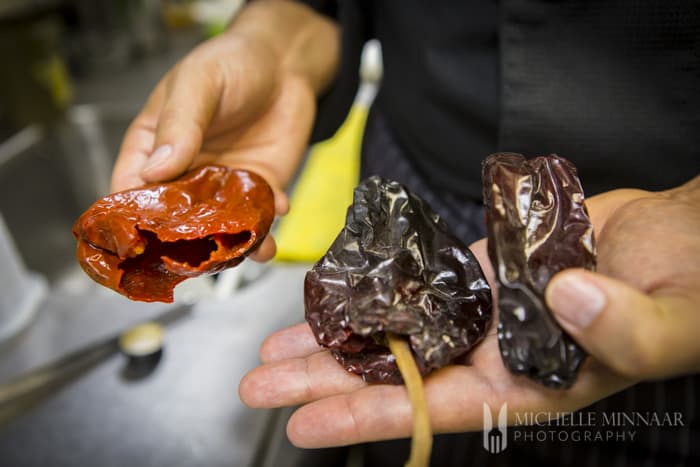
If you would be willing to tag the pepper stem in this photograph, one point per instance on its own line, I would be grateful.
(422, 441)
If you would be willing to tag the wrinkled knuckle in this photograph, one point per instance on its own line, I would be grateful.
(309, 392)
(353, 418)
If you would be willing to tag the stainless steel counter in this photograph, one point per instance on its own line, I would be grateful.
(185, 413)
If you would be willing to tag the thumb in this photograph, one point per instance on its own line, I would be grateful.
(189, 105)
(635, 334)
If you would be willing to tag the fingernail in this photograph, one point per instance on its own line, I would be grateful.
(575, 300)
(158, 157)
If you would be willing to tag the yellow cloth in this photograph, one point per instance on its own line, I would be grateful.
(323, 193)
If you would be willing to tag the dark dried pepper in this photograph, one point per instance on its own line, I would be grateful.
(396, 268)
(143, 242)
(537, 226)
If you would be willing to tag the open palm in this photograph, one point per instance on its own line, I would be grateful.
(338, 408)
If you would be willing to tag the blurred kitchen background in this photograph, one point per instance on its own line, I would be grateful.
(73, 73)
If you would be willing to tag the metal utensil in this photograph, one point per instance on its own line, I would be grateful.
(73, 363)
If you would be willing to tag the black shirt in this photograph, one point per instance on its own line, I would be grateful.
(612, 85)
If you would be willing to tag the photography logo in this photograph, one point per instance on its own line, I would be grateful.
(496, 437)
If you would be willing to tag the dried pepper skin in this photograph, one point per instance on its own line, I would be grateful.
(143, 242)
(537, 225)
(395, 267)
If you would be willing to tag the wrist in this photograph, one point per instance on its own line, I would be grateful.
(303, 42)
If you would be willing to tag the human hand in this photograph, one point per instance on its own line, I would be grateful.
(339, 408)
(640, 313)
(239, 112)
(245, 99)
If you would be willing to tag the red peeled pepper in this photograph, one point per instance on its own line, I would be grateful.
(143, 242)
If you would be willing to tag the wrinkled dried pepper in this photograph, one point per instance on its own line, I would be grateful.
(537, 226)
(143, 242)
(396, 268)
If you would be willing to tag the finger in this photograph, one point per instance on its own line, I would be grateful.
(138, 143)
(268, 248)
(133, 155)
(344, 410)
(370, 414)
(281, 202)
(265, 251)
(296, 381)
(190, 102)
(293, 342)
(633, 333)
(455, 395)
